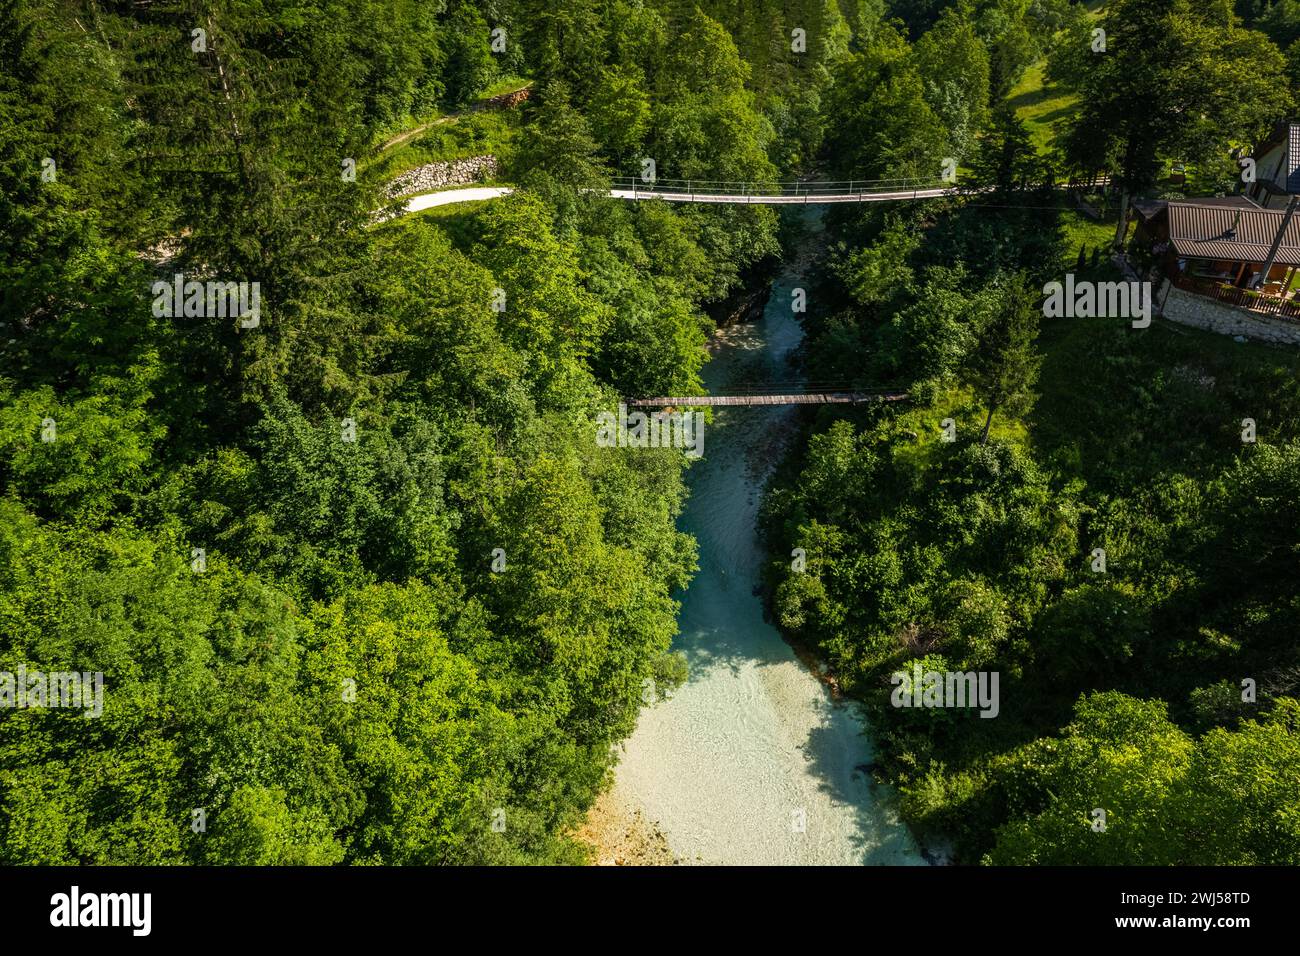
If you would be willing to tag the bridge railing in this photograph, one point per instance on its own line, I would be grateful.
(776, 390)
(806, 388)
(792, 189)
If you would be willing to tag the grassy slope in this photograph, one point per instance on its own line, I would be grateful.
(453, 220)
(1040, 105)
(1118, 406)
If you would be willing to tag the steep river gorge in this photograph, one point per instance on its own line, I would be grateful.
(751, 761)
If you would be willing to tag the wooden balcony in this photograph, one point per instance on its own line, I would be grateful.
(1279, 306)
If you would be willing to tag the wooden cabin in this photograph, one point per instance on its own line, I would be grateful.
(1204, 244)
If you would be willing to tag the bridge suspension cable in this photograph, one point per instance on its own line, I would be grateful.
(845, 189)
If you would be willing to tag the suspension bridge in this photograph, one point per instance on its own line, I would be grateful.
(727, 192)
(735, 192)
(781, 393)
(799, 192)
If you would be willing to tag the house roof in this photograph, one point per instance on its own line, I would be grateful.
(1151, 208)
(1200, 230)
(1288, 135)
(1238, 201)
(1148, 209)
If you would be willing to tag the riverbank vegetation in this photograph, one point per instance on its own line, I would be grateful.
(1158, 684)
(362, 586)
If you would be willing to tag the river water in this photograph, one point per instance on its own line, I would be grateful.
(751, 761)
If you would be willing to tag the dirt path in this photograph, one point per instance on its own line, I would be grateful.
(473, 108)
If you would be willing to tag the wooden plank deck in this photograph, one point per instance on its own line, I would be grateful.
(812, 398)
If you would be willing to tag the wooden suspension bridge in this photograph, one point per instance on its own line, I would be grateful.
(776, 395)
(801, 192)
(724, 192)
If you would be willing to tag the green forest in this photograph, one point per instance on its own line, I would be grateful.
(1121, 686)
(363, 588)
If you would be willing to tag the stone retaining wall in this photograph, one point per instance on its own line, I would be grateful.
(509, 100)
(1187, 308)
(455, 172)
